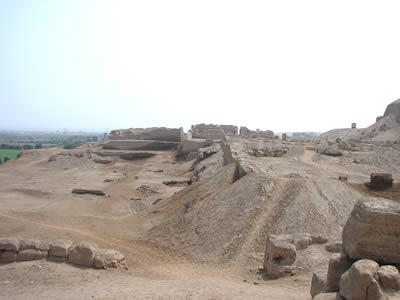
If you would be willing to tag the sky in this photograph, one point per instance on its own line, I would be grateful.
(310, 65)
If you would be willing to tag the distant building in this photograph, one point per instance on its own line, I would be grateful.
(353, 125)
(284, 137)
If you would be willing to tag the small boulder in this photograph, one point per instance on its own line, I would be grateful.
(318, 239)
(31, 254)
(335, 246)
(301, 240)
(280, 255)
(332, 152)
(360, 282)
(10, 244)
(101, 160)
(338, 264)
(8, 256)
(389, 277)
(318, 283)
(82, 253)
(59, 249)
(105, 258)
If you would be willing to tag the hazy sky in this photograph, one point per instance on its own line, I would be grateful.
(282, 65)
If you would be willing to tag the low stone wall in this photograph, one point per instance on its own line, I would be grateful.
(82, 253)
(154, 134)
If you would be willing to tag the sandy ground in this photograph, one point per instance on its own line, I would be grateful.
(204, 241)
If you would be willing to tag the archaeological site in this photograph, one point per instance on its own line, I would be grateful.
(214, 212)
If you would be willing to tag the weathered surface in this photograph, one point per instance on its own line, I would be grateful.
(394, 110)
(318, 283)
(59, 248)
(338, 264)
(31, 254)
(318, 239)
(280, 255)
(88, 191)
(389, 277)
(335, 246)
(328, 296)
(105, 258)
(140, 145)
(136, 155)
(10, 244)
(8, 256)
(143, 134)
(373, 231)
(360, 282)
(31, 244)
(82, 253)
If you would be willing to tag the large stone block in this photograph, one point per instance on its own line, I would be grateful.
(389, 277)
(10, 244)
(31, 254)
(373, 231)
(318, 283)
(8, 256)
(338, 264)
(82, 253)
(59, 248)
(155, 134)
(360, 282)
(30, 244)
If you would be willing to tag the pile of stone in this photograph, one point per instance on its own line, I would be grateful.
(329, 148)
(281, 252)
(260, 134)
(85, 254)
(157, 138)
(366, 267)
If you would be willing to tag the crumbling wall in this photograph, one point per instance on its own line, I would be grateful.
(264, 134)
(155, 134)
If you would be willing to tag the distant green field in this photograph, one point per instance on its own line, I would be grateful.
(12, 154)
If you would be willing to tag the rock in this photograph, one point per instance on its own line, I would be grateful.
(373, 231)
(389, 277)
(10, 244)
(360, 282)
(105, 258)
(30, 244)
(343, 178)
(393, 109)
(31, 254)
(328, 296)
(82, 253)
(280, 255)
(8, 256)
(52, 158)
(332, 152)
(301, 240)
(318, 239)
(87, 191)
(59, 249)
(338, 264)
(101, 160)
(318, 283)
(108, 180)
(335, 246)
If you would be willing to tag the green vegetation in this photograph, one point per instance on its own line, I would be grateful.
(6, 154)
